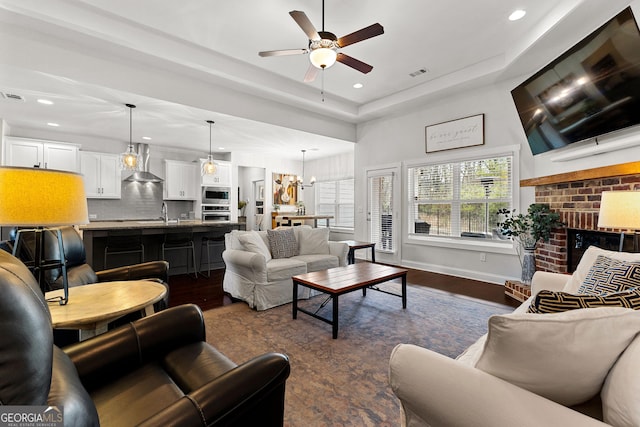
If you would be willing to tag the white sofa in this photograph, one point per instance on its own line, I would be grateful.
(253, 274)
(572, 368)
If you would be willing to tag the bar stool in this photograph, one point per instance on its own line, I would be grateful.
(180, 239)
(124, 242)
(213, 240)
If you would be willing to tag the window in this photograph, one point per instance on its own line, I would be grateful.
(459, 199)
(336, 198)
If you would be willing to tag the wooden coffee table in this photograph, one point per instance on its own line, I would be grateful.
(92, 307)
(341, 280)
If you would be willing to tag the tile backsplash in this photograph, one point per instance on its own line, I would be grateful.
(138, 201)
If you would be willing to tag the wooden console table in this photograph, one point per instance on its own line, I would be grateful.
(92, 307)
(289, 218)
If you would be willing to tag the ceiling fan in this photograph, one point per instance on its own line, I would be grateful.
(323, 46)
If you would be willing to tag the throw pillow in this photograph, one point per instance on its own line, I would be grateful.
(621, 390)
(556, 302)
(565, 356)
(252, 242)
(313, 241)
(608, 275)
(588, 259)
(283, 243)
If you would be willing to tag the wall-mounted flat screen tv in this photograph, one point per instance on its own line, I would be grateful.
(590, 90)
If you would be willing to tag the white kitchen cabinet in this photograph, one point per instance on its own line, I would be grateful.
(32, 153)
(101, 175)
(180, 181)
(222, 176)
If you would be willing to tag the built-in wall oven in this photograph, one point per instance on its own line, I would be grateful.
(215, 204)
(215, 213)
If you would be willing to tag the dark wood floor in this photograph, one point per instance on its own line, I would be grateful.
(208, 293)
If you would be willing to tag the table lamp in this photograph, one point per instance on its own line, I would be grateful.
(39, 198)
(621, 210)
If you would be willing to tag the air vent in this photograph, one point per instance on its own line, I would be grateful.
(12, 96)
(418, 72)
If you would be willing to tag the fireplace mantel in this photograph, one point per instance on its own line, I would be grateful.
(623, 169)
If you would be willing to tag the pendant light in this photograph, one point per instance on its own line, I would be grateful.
(130, 160)
(301, 178)
(209, 167)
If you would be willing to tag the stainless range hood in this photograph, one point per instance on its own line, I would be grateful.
(144, 175)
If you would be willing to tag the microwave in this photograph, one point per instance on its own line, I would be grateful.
(216, 195)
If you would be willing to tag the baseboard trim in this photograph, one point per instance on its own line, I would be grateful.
(459, 272)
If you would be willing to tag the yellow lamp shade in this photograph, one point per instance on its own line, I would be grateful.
(41, 197)
(620, 209)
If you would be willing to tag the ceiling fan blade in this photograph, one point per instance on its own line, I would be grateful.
(363, 34)
(283, 52)
(304, 23)
(354, 63)
(311, 74)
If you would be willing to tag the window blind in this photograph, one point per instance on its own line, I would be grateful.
(336, 198)
(460, 199)
(381, 211)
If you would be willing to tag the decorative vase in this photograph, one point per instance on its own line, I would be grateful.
(528, 265)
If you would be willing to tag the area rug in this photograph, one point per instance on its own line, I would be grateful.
(344, 382)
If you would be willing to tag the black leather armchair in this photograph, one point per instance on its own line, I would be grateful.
(154, 371)
(79, 272)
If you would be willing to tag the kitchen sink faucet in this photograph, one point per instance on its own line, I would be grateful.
(165, 216)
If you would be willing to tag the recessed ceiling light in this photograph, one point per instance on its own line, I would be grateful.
(358, 85)
(517, 14)
(45, 101)
(220, 148)
(55, 125)
(147, 138)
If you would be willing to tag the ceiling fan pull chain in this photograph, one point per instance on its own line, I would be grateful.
(322, 83)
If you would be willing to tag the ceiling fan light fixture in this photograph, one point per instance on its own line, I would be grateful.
(323, 57)
(323, 52)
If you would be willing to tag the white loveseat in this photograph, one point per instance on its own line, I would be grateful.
(571, 368)
(257, 273)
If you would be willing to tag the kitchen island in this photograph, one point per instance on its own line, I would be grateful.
(94, 236)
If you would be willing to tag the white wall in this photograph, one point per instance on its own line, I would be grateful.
(399, 139)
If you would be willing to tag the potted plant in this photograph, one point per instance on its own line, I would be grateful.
(528, 230)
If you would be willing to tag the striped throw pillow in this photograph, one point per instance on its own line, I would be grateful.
(556, 302)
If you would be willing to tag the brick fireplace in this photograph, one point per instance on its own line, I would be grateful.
(576, 196)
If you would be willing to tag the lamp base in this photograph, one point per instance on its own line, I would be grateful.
(40, 264)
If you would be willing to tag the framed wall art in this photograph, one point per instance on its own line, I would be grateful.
(464, 132)
(285, 190)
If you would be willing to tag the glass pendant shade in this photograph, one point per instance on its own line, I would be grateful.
(209, 167)
(130, 160)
